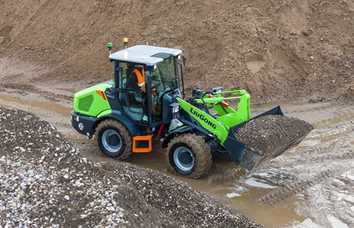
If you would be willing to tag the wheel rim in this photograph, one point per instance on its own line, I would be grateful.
(184, 159)
(112, 140)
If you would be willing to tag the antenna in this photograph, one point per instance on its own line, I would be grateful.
(109, 46)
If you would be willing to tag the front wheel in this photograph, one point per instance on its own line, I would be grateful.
(189, 155)
(113, 139)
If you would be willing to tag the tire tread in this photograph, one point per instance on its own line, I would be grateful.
(201, 150)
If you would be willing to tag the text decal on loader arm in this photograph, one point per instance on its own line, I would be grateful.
(205, 120)
(202, 117)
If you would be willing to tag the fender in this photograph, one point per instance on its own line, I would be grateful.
(188, 127)
(121, 118)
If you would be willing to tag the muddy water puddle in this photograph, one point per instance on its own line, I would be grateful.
(246, 202)
(278, 215)
(34, 104)
(56, 113)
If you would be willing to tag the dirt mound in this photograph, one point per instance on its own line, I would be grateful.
(277, 49)
(44, 182)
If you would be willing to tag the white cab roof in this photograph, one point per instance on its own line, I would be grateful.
(144, 54)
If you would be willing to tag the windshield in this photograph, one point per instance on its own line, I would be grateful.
(164, 75)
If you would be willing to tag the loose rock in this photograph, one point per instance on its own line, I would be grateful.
(44, 182)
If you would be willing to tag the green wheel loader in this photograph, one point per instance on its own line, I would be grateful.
(125, 119)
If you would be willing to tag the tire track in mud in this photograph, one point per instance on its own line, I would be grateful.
(293, 184)
(330, 157)
(332, 148)
(288, 190)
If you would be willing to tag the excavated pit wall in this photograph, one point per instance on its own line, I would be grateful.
(277, 49)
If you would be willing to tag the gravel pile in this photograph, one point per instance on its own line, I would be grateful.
(45, 182)
(269, 136)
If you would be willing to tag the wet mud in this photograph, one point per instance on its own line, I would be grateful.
(290, 190)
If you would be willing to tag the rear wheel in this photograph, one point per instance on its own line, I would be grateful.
(113, 139)
(189, 155)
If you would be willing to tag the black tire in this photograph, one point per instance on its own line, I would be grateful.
(119, 133)
(195, 146)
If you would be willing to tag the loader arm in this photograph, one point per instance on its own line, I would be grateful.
(225, 113)
(226, 116)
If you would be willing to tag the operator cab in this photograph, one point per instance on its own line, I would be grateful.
(162, 69)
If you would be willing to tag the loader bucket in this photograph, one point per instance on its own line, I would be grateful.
(264, 137)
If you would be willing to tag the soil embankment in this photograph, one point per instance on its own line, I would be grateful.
(278, 49)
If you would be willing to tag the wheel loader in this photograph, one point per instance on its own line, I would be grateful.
(192, 130)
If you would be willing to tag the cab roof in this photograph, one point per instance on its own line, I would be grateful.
(144, 54)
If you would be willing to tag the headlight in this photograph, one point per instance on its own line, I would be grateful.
(175, 108)
(81, 126)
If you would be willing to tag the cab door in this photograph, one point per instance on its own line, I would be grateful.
(131, 98)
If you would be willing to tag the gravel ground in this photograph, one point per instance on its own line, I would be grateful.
(45, 182)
